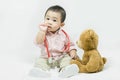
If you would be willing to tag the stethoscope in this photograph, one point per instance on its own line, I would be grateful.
(67, 47)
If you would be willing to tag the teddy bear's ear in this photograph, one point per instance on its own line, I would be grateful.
(92, 38)
(91, 32)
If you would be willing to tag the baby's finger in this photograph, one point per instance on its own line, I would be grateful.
(43, 27)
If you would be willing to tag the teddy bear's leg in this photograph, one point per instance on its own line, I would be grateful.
(103, 61)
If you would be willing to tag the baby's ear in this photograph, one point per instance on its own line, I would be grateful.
(62, 24)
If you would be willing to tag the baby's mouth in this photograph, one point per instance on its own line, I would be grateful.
(49, 27)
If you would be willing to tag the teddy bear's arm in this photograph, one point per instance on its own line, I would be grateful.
(85, 59)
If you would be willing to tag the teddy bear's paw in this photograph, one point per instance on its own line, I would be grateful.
(104, 60)
(73, 62)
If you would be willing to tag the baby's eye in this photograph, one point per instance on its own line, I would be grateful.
(54, 20)
(47, 18)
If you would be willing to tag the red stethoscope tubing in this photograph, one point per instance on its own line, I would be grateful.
(65, 49)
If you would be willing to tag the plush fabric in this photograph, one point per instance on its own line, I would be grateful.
(91, 60)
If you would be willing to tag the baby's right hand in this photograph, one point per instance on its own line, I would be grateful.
(43, 27)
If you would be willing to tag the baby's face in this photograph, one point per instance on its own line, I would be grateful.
(53, 21)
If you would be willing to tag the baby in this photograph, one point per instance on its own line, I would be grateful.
(57, 49)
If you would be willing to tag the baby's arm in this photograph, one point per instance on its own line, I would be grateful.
(41, 34)
(72, 50)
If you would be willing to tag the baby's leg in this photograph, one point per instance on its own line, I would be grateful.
(40, 68)
(42, 64)
(65, 61)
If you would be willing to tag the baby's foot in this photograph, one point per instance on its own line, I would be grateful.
(69, 71)
(37, 72)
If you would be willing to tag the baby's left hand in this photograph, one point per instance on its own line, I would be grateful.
(73, 54)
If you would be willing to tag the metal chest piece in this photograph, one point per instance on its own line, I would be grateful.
(50, 60)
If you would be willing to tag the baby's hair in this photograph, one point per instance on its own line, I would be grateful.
(57, 8)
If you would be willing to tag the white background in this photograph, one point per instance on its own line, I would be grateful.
(19, 20)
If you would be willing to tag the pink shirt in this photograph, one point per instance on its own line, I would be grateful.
(56, 43)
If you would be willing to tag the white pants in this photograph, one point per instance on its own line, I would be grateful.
(43, 63)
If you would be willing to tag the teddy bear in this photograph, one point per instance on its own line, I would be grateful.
(91, 61)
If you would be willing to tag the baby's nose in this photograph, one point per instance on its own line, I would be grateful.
(49, 23)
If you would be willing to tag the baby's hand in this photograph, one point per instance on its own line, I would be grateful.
(43, 27)
(73, 55)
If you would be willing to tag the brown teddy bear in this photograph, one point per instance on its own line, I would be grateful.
(91, 60)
